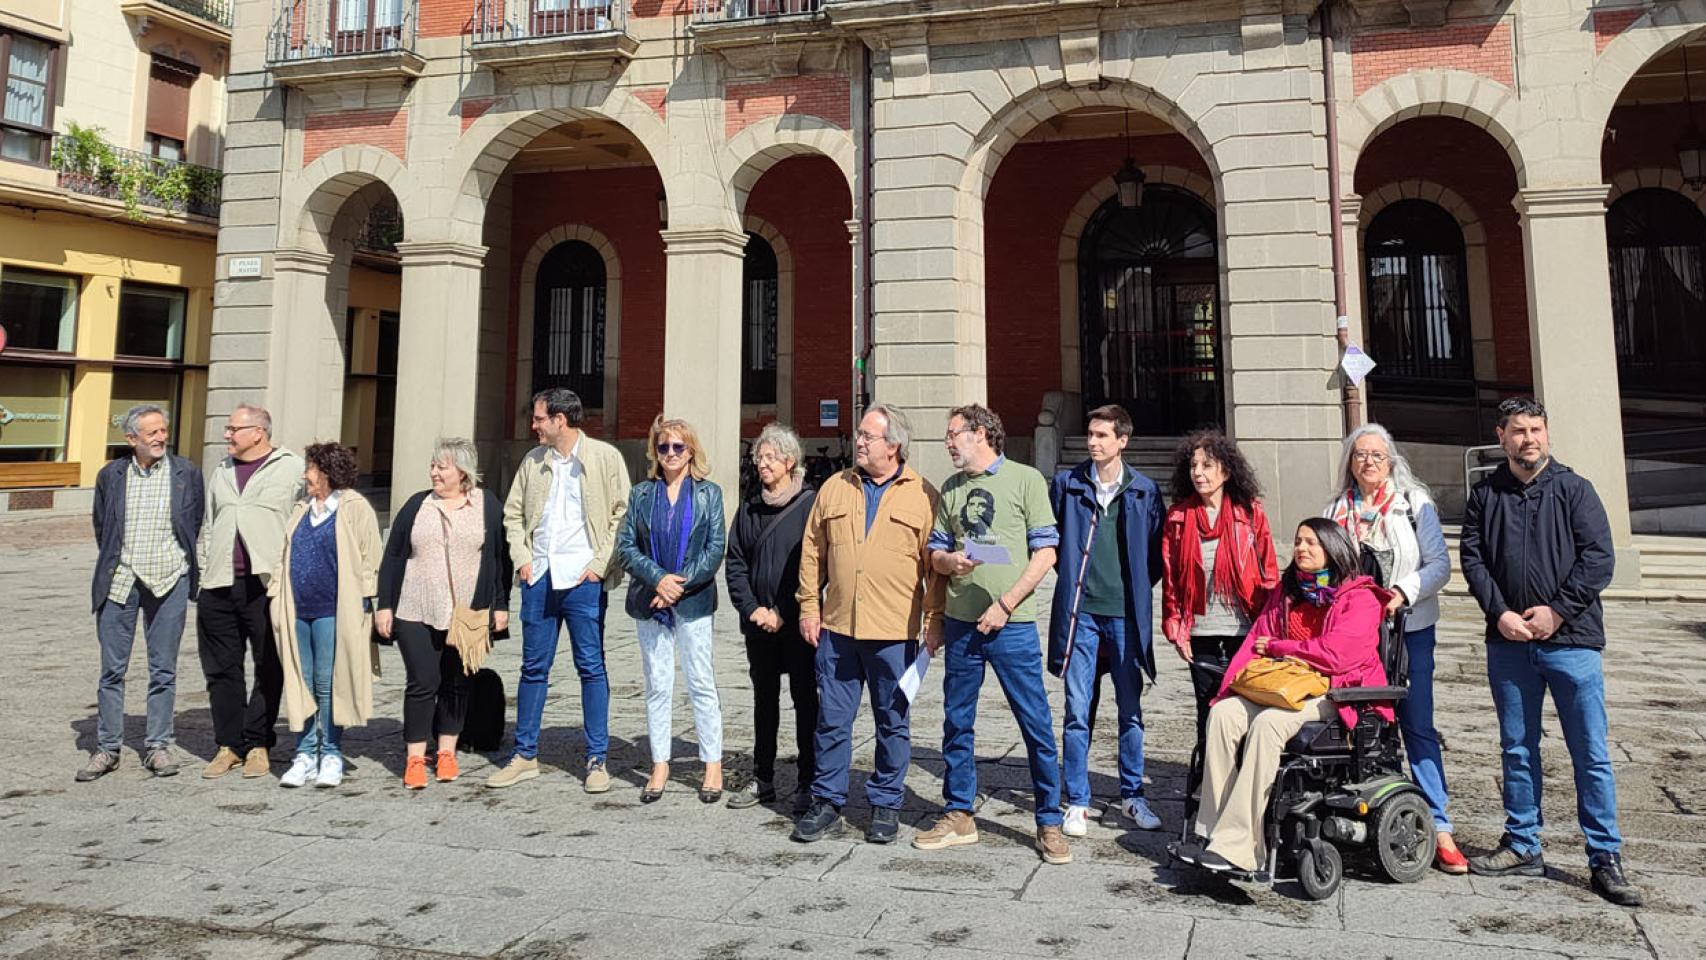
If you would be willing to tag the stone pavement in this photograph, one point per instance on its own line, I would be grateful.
(231, 868)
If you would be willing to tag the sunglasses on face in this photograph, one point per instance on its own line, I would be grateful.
(671, 449)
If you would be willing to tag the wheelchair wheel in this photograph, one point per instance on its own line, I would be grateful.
(1319, 869)
(1404, 838)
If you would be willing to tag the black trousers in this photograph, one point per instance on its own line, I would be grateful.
(435, 687)
(231, 622)
(768, 658)
(1210, 657)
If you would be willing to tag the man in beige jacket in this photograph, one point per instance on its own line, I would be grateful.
(866, 551)
(564, 507)
(249, 495)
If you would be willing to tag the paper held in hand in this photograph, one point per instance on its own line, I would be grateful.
(914, 675)
(993, 553)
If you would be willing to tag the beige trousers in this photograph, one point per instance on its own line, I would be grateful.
(1235, 796)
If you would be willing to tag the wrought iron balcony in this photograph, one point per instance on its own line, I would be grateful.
(720, 11)
(89, 165)
(208, 19)
(332, 39)
(213, 11)
(556, 40)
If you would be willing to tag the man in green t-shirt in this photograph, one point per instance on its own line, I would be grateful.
(994, 538)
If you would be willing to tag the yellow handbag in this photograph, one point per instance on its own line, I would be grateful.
(1287, 683)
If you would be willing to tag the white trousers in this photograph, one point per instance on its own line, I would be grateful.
(660, 646)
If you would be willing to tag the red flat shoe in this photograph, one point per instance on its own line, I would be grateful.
(1451, 860)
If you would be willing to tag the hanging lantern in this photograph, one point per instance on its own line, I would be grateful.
(1130, 182)
(1691, 149)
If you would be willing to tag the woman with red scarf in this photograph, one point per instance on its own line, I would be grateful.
(1218, 558)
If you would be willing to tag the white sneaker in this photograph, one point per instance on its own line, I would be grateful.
(331, 772)
(303, 769)
(1136, 812)
(1077, 822)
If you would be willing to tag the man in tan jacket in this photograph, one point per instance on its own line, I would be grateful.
(866, 549)
(562, 514)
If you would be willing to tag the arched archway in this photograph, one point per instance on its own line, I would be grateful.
(1657, 240)
(531, 291)
(1415, 280)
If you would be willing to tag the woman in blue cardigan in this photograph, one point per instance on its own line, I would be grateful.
(671, 543)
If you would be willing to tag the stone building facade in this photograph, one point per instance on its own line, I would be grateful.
(737, 210)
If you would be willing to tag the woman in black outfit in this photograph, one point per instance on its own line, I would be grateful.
(763, 570)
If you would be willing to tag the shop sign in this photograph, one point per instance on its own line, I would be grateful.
(33, 407)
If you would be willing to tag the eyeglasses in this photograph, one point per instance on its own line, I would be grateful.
(763, 458)
(864, 437)
(951, 434)
(671, 449)
(1368, 456)
(232, 429)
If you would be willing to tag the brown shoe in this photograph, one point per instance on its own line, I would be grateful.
(223, 762)
(1051, 843)
(953, 829)
(257, 764)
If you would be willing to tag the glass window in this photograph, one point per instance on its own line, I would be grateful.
(131, 387)
(758, 322)
(568, 322)
(1418, 311)
(151, 322)
(39, 310)
(34, 413)
(163, 147)
(1657, 241)
(26, 65)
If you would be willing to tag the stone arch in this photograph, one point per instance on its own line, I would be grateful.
(1072, 235)
(526, 291)
(1668, 178)
(1486, 103)
(768, 142)
(491, 142)
(784, 315)
(1478, 278)
(320, 191)
(1659, 29)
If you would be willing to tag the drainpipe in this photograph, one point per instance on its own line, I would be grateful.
(864, 332)
(1351, 395)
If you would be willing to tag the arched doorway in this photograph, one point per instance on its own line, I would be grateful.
(760, 287)
(1416, 280)
(568, 322)
(1149, 317)
(1658, 293)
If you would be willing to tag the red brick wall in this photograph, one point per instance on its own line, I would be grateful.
(1465, 159)
(473, 110)
(822, 97)
(1033, 193)
(385, 129)
(446, 18)
(806, 199)
(656, 98)
(621, 204)
(1477, 48)
(1607, 24)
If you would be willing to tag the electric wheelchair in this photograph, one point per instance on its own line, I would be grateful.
(1340, 787)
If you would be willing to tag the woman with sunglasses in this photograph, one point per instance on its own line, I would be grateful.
(671, 543)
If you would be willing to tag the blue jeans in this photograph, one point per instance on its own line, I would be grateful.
(1521, 674)
(1016, 654)
(845, 666)
(1090, 633)
(317, 644)
(163, 630)
(1416, 722)
(543, 611)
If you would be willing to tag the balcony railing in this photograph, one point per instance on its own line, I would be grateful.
(89, 165)
(213, 11)
(715, 11)
(314, 29)
(504, 21)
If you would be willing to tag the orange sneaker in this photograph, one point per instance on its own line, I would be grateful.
(414, 775)
(447, 768)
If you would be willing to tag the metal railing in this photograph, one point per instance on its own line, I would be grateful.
(90, 166)
(312, 29)
(717, 11)
(213, 11)
(500, 21)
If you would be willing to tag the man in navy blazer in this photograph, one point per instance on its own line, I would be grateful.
(147, 516)
(1109, 560)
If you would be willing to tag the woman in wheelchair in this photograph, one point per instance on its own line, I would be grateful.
(1326, 614)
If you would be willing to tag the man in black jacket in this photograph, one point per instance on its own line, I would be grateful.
(147, 515)
(1537, 552)
(763, 572)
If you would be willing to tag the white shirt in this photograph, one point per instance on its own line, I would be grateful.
(561, 544)
(1106, 492)
(318, 513)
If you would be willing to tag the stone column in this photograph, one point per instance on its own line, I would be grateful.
(701, 354)
(437, 355)
(1574, 351)
(305, 377)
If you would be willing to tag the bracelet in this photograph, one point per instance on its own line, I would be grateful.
(1002, 603)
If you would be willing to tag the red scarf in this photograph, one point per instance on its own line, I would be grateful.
(1226, 555)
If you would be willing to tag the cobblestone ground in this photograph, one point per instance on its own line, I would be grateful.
(231, 868)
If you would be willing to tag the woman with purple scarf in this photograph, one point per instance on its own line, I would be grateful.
(671, 544)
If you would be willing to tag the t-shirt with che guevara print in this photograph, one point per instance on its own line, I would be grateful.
(1006, 505)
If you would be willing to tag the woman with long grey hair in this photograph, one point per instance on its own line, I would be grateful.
(1388, 513)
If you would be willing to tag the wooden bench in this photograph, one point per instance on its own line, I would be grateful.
(14, 476)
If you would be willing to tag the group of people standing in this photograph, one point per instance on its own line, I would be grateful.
(850, 591)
